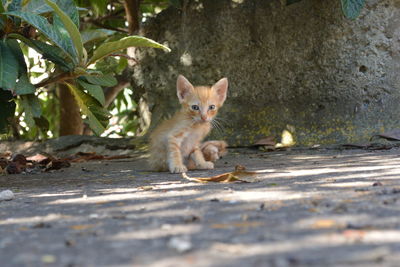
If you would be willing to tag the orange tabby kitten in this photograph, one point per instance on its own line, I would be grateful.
(175, 145)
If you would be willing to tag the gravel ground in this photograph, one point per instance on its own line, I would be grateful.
(307, 208)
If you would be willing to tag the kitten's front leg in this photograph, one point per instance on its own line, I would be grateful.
(199, 161)
(175, 163)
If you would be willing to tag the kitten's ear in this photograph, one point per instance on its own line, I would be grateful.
(183, 88)
(221, 87)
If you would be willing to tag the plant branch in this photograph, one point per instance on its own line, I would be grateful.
(101, 25)
(108, 16)
(111, 92)
(56, 79)
(132, 15)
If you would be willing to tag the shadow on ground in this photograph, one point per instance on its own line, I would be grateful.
(310, 208)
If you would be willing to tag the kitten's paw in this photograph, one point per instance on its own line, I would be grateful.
(207, 165)
(178, 169)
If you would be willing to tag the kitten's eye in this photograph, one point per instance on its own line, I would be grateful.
(195, 107)
(211, 107)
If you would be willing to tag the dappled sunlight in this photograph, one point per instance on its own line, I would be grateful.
(332, 221)
(315, 241)
(265, 195)
(36, 219)
(116, 197)
(165, 230)
(287, 209)
(347, 184)
(143, 207)
(63, 194)
(324, 247)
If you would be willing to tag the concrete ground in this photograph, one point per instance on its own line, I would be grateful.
(308, 208)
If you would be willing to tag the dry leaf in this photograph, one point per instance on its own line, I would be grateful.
(355, 235)
(86, 156)
(82, 226)
(239, 175)
(236, 225)
(41, 159)
(325, 223)
(57, 164)
(146, 188)
(2, 171)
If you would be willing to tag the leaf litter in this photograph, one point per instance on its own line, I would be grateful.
(238, 175)
(44, 162)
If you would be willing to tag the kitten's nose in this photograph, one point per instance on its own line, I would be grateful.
(204, 117)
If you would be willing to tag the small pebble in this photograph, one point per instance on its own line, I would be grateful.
(377, 184)
(6, 195)
(48, 259)
(94, 216)
(181, 244)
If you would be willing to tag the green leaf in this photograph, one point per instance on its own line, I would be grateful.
(1, 22)
(49, 31)
(24, 86)
(32, 108)
(7, 109)
(15, 5)
(42, 123)
(2, 7)
(32, 105)
(105, 80)
(8, 67)
(40, 7)
(110, 47)
(95, 34)
(98, 116)
(352, 8)
(95, 90)
(18, 54)
(54, 54)
(49, 52)
(70, 27)
(99, 6)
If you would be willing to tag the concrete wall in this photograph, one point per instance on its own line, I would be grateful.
(302, 67)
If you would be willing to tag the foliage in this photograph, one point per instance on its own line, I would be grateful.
(52, 29)
(76, 46)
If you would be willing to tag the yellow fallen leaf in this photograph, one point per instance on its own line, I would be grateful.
(146, 188)
(236, 225)
(325, 223)
(82, 226)
(239, 175)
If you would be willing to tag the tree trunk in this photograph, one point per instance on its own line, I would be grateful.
(70, 116)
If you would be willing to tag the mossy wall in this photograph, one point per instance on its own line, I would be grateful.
(303, 67)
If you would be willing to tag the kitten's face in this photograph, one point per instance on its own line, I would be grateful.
(201, 103)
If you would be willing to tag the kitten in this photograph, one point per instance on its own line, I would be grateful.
(177, 141)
